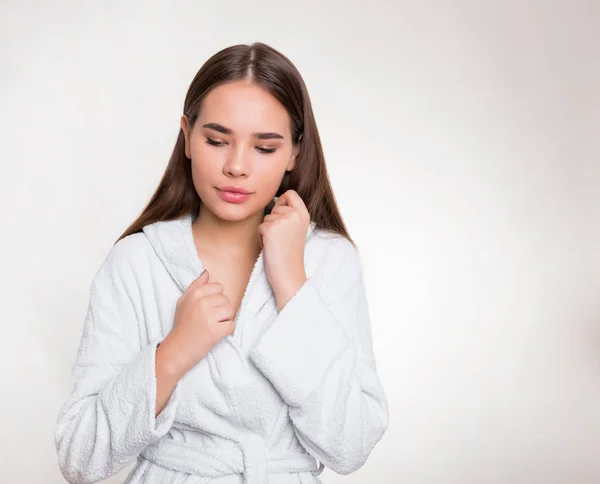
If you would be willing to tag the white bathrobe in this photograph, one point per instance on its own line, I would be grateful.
(286, 394)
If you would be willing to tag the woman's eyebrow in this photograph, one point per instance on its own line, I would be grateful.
(222, 129)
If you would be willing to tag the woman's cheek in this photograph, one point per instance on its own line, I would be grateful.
(271, 179)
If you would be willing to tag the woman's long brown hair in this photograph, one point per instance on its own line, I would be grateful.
(176, 196)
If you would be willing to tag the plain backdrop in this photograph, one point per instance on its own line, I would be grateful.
(462, 138)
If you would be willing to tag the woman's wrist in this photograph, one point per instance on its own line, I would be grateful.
(288, 289)
(169, 360)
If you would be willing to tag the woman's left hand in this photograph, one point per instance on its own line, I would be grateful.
(282, 235)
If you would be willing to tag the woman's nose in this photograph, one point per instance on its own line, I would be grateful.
(236, 164)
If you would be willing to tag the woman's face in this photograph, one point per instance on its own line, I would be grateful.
(241, 139)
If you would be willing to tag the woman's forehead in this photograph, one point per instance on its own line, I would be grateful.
(244, 108)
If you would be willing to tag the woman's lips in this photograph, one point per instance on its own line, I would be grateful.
(233, 197)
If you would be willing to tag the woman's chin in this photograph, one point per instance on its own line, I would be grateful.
(234, 212)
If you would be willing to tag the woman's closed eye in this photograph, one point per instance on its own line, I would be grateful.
(219, 144)
(212, 142)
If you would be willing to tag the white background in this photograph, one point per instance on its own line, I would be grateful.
(462, 139)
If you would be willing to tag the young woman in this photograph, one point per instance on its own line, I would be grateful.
(227, 338)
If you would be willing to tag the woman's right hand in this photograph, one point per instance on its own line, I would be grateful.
(203, 316)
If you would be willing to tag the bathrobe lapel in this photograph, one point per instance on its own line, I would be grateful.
(173, 243)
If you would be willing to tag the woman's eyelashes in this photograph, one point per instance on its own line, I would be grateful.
(219, 144)
(212, 142)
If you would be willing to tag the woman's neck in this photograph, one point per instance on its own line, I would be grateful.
(215, 235)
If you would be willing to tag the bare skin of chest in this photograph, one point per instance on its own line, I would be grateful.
(233, 276)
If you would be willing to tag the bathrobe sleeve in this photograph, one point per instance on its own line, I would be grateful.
(109, 416)
(318, 355)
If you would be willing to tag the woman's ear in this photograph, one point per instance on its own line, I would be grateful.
(291, 164)
(295, 150)
(185, 127)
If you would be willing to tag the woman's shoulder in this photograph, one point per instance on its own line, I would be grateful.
(332, 249)
(329, 239)
(126, 258)
(132, 249)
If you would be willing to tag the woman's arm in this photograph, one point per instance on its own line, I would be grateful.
(168, 374)
(318, 354)
(110, 415)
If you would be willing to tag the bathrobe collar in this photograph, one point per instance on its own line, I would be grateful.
(173, 243)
